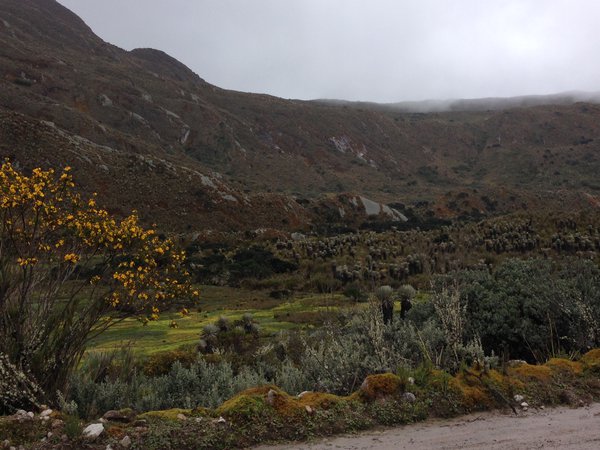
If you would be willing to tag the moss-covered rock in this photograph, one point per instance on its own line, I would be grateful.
(247, 404)
(320, 400)
(166, 414)
(380, 386)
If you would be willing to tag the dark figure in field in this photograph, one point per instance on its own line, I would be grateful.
(405, 305)
(387, 309)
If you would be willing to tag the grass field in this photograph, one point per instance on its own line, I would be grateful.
(272, 315)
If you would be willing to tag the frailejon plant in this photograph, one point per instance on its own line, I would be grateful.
(69, 270)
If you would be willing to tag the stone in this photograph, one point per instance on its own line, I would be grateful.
(303, 393)
(57, 423)
(409, 397)
(140, 423)
(271, 395)
(50, 434)
(104, 100)
(93, 430)
(411, 380)
(125, 442)
(21, 412)
(308, 409)
(516, 362)
(108, 447)
(181, 417)
(524, 405)
(118, 416)
(30, 414)
(6, 443)
(519, 398)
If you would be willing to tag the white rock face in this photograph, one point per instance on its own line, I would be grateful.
(373, 208)
(342, 143)
(104, 100)
(93, 430)
(185, 134)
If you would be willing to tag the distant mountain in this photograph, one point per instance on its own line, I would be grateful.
(475, 104)
(147, 133)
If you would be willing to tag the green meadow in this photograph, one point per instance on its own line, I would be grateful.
(299, 311)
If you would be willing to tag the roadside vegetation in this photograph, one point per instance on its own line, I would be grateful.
(291, 338)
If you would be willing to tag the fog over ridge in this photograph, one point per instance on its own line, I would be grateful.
(379, 51)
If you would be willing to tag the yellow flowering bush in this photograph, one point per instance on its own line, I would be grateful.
(69, 270)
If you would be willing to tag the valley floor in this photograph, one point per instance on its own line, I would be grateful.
(552, 428)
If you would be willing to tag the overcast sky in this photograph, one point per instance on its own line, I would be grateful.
(375, 50)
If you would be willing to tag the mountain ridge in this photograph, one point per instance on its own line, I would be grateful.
(147, 133)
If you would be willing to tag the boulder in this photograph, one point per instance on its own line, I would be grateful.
(409, 397)
(93, 430)
(124, 415)
(125, 442)
(271, 395)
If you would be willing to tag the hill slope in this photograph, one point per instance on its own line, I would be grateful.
(147, 133)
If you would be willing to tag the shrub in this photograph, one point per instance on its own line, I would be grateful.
(160, 363)
(68, 271)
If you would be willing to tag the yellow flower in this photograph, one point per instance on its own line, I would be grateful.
(71, 258)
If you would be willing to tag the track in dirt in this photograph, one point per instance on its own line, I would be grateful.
(553, 428)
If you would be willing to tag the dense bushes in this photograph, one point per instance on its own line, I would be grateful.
(525, 309)
(200, 384)
(530, 309)
(251, 263)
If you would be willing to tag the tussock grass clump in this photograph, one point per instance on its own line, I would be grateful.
(565, 365)
(591, 358)
(528, 372)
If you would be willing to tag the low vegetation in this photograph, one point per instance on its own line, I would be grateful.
(294, 338)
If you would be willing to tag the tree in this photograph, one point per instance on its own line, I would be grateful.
(385, 295)
(406, 294)
(69, 271)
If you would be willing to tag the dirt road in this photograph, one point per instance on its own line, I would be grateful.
(551, 428)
